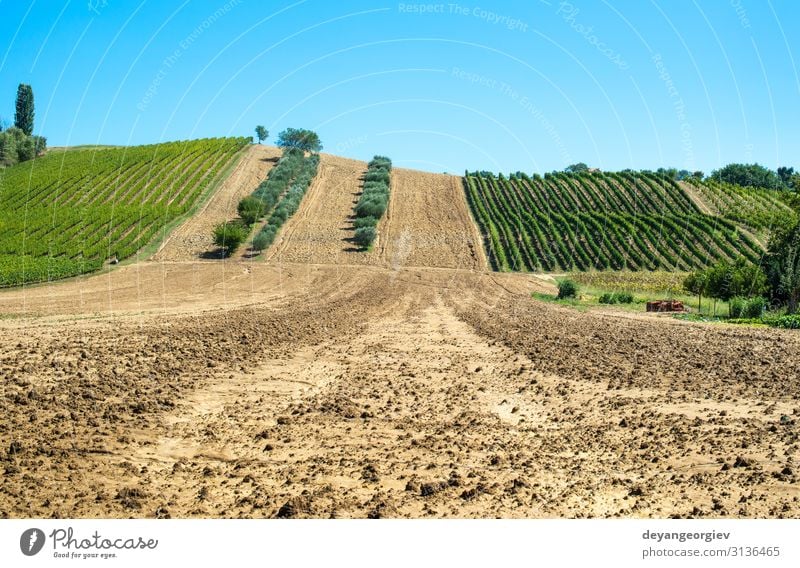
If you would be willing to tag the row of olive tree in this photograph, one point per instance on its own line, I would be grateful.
(279, 195)
(373, 201)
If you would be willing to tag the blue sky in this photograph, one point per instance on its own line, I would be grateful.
(502, 86)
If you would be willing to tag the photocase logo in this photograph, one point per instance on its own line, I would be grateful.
(31, 542)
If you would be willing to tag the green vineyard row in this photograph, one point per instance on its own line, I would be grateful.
(598, 220)
(68, 212)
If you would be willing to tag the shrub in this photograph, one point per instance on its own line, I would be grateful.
(736, 307)
(377, 175)
(624, 297)
(616, 298)
(567, 289)
(229, 236)
(754, 307)
(250, 209)
(372, 207)
(262, 241)
(365, 222)
(365, 236)
(788, 322)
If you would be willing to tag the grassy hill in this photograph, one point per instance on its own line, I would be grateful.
(69, 211)
(626, 220)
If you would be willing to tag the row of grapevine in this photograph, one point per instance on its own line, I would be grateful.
(69, 211)
(760, 209)
(598, 221)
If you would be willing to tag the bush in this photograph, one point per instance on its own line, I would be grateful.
(250, 209)
(736, 307)
(262, 240)
(229, 236)
(365, 222)
(788, 322)
(378, 175)
(567, 289)
(616, 298)
(365, 236)
(372, 207)
(754, 307)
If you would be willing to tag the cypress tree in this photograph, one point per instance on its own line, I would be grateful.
(23, 118)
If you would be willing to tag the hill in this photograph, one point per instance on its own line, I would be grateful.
(626, 220)
(69, 211)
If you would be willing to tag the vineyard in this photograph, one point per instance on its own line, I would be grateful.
(760, 209)
(68, 212)
(598, 220)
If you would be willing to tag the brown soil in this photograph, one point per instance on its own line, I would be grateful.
(323, 389)
(427, 222)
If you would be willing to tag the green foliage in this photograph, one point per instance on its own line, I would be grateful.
(576, 168)
(599, 221)
(365, 222)
(67, 212)
(365, 236)
(261, 133)
(280, 195)
(250, 209)
(373, 201)
(262, 241)
(23, 117)
(616, 298)
(567, 289)
(16, 146)
(736, 307)
(754, 307)
(749, 175)
(788, 322)
(783, 267)
(228, 236)
(300, 139)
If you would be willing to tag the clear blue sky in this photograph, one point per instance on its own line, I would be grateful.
(502, 86)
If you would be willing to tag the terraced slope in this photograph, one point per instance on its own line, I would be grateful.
(66, 213)
(599, 221)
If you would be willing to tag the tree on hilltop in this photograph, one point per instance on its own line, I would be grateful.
(261, 133)
(23, 117)
(300, 139)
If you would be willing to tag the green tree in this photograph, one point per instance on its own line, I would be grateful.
(8, 148)
(365, 236)
(250, 209)
(576, 168)
(786, 174)
(784, 267)
(228, 236)
(696, 283)
(261, 133)
(299, 139)
(750, 175)
(23, 117)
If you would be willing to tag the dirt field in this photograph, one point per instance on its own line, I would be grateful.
(427, 222)
(308, 387)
